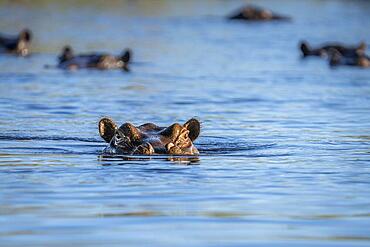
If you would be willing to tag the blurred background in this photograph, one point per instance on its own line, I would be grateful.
(284, 142)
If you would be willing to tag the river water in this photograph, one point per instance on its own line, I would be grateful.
(285, 142)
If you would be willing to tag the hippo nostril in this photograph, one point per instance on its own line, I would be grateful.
(169, 146)
(145, 148)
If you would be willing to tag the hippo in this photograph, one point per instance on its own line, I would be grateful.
(337, 58)
(323, 51)
(18, 44)
(150, 139)
(68, 60)
(253, 13)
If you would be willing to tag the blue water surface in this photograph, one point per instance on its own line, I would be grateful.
(285, 142)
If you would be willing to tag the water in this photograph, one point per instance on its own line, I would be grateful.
(284, 143)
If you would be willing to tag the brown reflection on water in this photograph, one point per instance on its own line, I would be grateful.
(181, 160)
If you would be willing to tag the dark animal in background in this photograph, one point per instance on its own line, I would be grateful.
(148, 139)
(68, 60)
(17, 44)
(339, 54)
(324, 50)
(253, 13)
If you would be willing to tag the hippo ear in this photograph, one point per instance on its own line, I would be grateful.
(107, 129)
(193, 125)
(67, 54)
(362, 46)
(26, 35)
(305, 48)
(130, 131)
(67, 51)
(361, 49)
(126, 56)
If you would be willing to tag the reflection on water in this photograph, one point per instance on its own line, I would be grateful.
(186, 160)
(284, 143)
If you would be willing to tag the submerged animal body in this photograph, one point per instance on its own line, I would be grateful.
(253, 13)
(68, 60)
(18, 44)
(149, 139)
(325, 50)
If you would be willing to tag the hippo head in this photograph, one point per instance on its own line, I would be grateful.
(308, 51)
(148, 139)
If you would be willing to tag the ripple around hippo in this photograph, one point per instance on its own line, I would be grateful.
(206, 145)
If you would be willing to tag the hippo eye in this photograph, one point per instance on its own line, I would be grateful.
(118, 137)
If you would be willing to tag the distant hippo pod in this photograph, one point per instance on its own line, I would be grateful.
(149, 139)
(18, 44)
(68, 60)
(253, 13)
